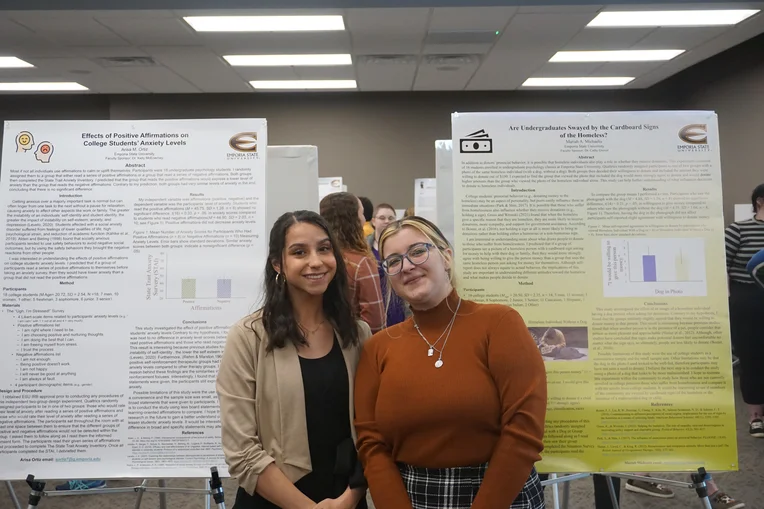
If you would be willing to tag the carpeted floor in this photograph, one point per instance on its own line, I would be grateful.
(746, 485)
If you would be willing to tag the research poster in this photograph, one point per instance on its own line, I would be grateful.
(605, 231)
(129, 249)
(329, 185)
(425, 199)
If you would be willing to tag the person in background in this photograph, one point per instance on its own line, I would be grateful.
(344, 213)
(744, 239)
(285, 382)
(384, 214)
(450, 404)
(368, 214)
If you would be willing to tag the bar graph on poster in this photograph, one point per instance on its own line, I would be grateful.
(172, 276)
(654, 267)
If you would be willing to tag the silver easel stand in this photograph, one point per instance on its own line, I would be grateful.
(698, 484)
(215, 489)
(12, 494)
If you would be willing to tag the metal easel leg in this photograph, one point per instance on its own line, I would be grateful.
(37, 487)
(611, 489)
(208, 496)
(699, 483)
(140, 490)
(162, 496)
(555, 492)
(216, 487)
(565, 494)
(12, 494)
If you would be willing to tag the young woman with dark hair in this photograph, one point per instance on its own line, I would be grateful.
(285, 381)
(344, 213)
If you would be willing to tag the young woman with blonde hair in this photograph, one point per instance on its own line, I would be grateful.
(450, 404)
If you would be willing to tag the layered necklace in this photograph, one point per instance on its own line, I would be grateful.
(433, 347)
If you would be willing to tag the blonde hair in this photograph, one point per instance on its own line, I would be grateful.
(435, 237)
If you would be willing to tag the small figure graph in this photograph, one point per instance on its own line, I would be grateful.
(203, 277)
(651, 267)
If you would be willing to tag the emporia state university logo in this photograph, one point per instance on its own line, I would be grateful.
(695, 134)
(243, 142)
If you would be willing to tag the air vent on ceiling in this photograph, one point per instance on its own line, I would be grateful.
(461, 37)
(447, 62)
(126, 61)
(387, 59)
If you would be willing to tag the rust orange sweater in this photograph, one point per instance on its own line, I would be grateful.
(487, 403)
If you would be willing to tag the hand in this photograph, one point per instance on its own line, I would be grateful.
(330, 503)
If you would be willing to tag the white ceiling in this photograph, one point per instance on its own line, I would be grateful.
(71, 45)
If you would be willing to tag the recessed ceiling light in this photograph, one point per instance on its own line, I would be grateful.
(265, 23)
(13, 62)
(616, 56)
(303, 84)
(41, 86)
(285, 60)
(587, 81)
(671, 18)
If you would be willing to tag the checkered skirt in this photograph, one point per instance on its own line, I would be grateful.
(456, 488)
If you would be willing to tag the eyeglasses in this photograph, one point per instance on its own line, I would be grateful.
(385, 218)
(417, 255)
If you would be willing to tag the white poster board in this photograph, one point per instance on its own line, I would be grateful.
(399, 213)
(112, 327)
(292, 180)
(329, 185)
(444, 176)
(425, 204)
(743, 211)
(580, 222)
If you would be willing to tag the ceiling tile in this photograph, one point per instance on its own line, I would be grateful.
(679, 38)
(107, 51)
(470, 18)
(371, 44)
(201, 67)
(386, 76)
(554, 69)
(444, 77)
(557, 9)
(536, 31)
(508, 69)
(154, 31)
(12, 32)
(158, 80)
(340, 72)
(607, 39)
(74, 31)
(456, 49)
(634, 69)
(386, 21)
(267, 73)
(277, 43)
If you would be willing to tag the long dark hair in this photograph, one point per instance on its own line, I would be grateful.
(341, 213)
(278, 315)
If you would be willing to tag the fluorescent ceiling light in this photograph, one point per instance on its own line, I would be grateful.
(286, 60)
(41, 86)
(671, 18)
(303, 84)
(589, 81)
(616, 56)
(265, 23)
(13, 62)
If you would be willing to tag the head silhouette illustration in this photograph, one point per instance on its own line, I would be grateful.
(24, 141)
(44, 151)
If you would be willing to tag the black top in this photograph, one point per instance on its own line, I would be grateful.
(327, 396)
(743, 240)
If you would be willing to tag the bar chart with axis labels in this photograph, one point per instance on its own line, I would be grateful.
(202, 275)
(654, 267)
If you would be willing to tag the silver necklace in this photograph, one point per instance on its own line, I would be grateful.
(432, 348)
